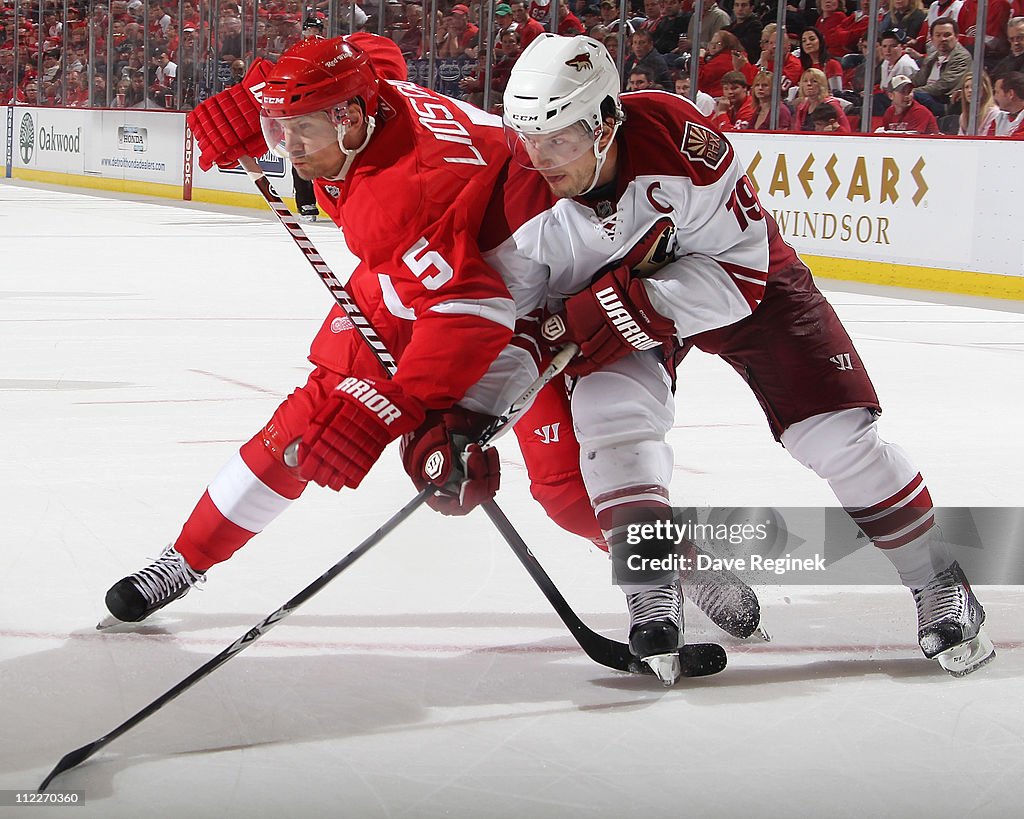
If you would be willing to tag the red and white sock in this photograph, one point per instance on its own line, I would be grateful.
(901, 526)
(249, 492)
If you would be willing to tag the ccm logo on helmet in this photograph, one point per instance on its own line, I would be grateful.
(581, 62)
(526, 117)
(273, 100)
(374, 401)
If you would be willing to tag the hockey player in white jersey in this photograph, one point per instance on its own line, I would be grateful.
(644, 191)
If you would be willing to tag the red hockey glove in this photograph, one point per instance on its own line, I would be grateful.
(608, 320)
(443, 452)
(352, 428)
(227, 125)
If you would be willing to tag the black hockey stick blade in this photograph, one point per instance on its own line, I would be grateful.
(79, 755)
(696, 659)
(71, 759)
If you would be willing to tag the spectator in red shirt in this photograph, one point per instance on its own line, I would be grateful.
(791, 68)
(569, 25)
(814, 53)
(527, 28)
(996, 45)
(718, 62)
(814, 92)
(830, 23)
(652, 13)
(464, 31)
(735, 110)
(906, 115)
(855, 27)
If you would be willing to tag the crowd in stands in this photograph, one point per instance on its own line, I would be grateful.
(157, 54)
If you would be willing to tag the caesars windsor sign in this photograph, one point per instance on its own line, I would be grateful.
(878, 199)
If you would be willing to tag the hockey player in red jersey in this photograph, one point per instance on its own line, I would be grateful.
(645, 192)
(407, 174)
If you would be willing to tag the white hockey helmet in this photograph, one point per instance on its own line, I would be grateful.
(559, 81)
(553, 101)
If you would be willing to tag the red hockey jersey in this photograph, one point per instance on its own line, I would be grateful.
(411, 207)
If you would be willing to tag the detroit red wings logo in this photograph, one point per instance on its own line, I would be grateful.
(703, 145)
(581, 62)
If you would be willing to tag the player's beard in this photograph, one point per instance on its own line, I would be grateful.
(571, 179)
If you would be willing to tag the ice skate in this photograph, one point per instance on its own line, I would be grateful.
(308, 213)
(138, 595)
(726, 600)
(655, 629)
(949, 623)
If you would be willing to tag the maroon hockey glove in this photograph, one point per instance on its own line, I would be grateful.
(227, 125)
(352, 428)
(443, 452)
(608, 320)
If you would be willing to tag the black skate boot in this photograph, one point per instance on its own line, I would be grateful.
(138, 595)
(308, 213)
(726, 600)
(655, 629)
(949, 623)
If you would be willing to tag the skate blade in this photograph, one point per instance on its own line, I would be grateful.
(109, 622)
(666, 667)
(759, 634)
(969, 656)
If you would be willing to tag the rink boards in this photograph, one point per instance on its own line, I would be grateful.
(926, 213)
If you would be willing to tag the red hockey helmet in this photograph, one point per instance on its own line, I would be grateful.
(306, 100)
(318, 75)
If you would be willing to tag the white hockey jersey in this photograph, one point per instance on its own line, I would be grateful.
(683, 213)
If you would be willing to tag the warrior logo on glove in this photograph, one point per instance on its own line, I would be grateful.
(436, 465)
(623, 321)
(553, 328)
(375, 402)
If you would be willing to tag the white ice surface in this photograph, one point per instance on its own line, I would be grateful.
(141, 343)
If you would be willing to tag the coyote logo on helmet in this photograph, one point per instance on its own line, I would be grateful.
(580, 62)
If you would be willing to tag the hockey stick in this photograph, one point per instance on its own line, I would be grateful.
(341, 296)
(79, 755)
(697, 659)
(363, 325)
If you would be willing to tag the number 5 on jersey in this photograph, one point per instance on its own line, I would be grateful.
(426, 265)
(420, 260)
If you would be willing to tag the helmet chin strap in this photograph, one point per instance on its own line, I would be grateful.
(601, 154)
(352, 153)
